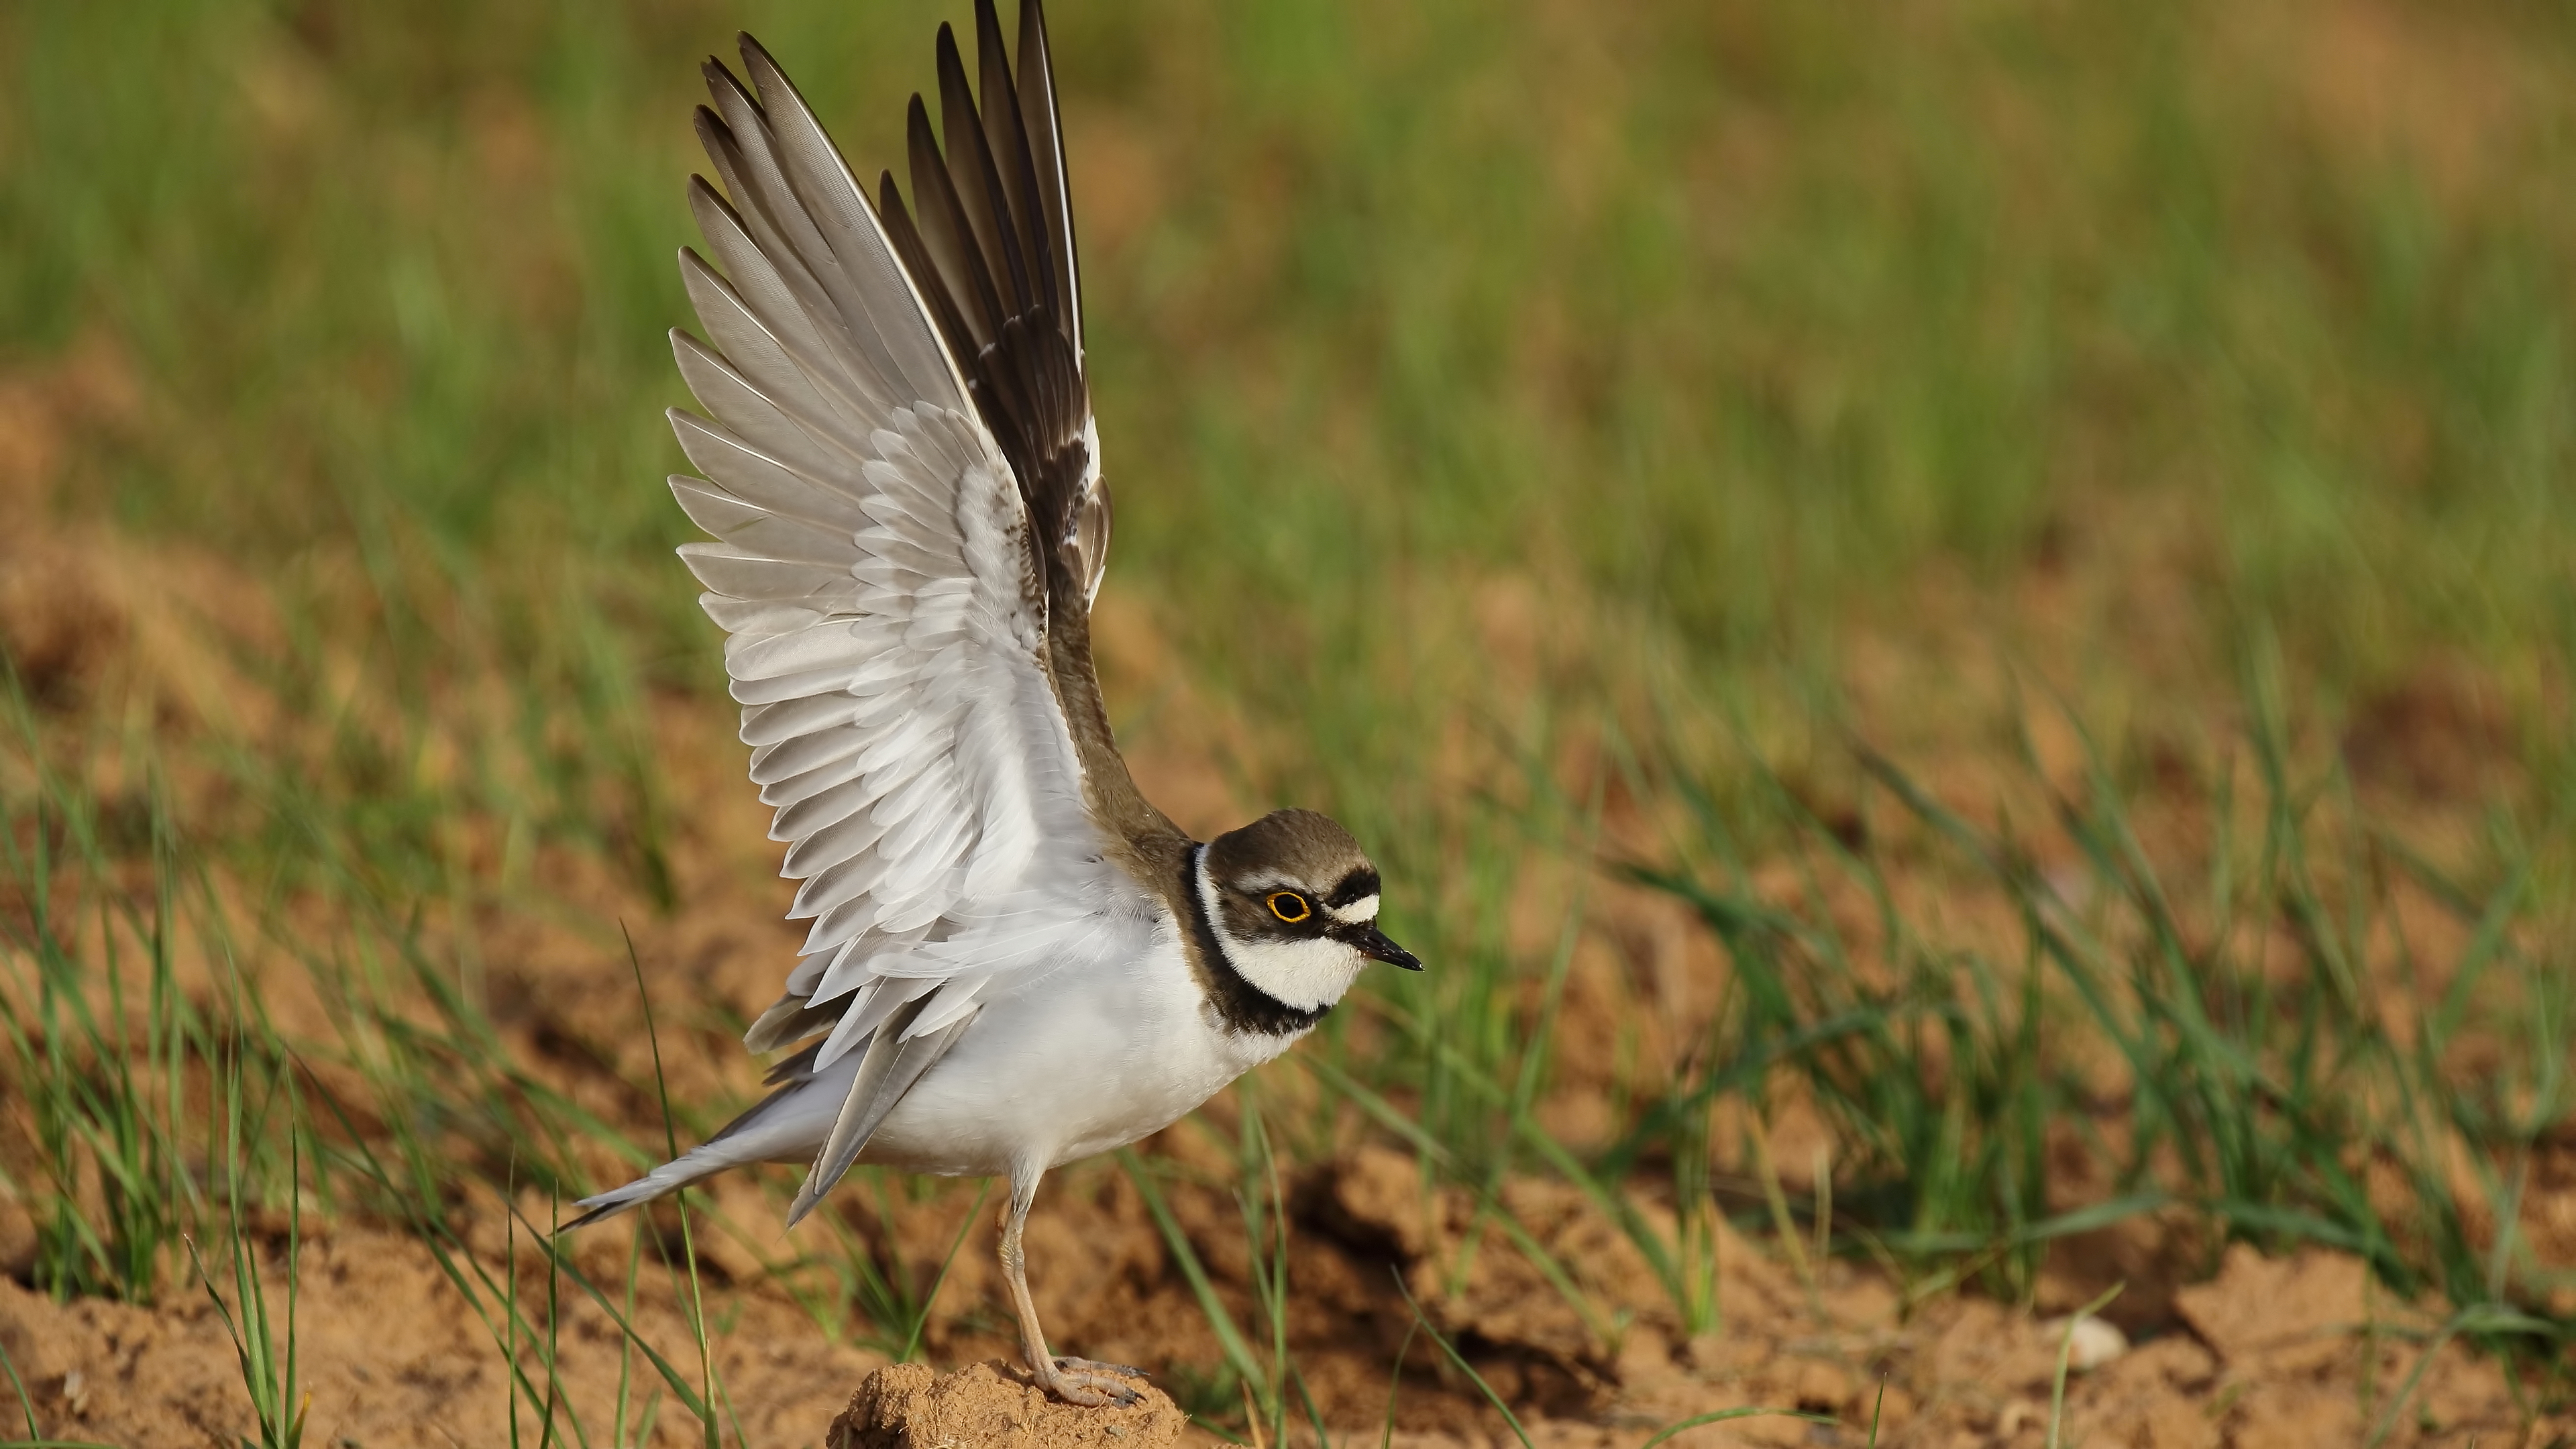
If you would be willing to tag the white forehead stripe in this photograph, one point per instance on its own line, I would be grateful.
(1362, 910)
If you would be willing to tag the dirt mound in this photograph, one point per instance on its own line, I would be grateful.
(909, 1406)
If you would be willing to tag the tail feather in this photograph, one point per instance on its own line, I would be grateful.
(891, 1067)
(787, 1125)
(662, 1181)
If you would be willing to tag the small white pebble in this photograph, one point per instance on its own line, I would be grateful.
(2097, 1342)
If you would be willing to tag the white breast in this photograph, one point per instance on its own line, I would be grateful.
(1071, 1065)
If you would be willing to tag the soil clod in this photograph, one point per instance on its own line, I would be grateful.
(909, 1406)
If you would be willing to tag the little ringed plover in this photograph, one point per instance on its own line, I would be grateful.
(1015, 960)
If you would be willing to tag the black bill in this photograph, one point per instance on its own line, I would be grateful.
(1372, 943)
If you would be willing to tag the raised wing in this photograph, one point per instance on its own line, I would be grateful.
(903, 489)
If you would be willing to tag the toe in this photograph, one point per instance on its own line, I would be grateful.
(1094, 1366)
(1091, 1390)
(1072, 1390)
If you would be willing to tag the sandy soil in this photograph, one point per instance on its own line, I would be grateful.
(392, 1355)
(2267, 1353)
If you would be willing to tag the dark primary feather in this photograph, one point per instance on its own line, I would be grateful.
(1006, 135)
(1044, 138)
(979, 183)
(989, 239)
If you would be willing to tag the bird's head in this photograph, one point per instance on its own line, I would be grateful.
(1293, 901)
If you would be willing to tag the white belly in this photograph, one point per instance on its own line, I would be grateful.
(1073, 1064)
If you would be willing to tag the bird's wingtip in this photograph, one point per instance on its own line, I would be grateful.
(600, 1207)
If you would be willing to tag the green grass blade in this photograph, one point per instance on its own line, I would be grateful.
(1238, 1352)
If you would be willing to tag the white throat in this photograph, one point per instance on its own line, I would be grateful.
(1304, 974)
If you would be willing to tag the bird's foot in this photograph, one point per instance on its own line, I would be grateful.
(1080, 1381)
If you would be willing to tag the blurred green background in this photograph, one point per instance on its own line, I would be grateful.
(1723, 323)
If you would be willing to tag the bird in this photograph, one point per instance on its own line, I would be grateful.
(1015, 959)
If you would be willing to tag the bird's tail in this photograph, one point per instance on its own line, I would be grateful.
(662, 1181)
(772, 1129)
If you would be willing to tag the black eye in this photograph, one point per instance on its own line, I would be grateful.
(1289, 906)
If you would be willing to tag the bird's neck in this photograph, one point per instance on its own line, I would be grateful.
(1143, 840)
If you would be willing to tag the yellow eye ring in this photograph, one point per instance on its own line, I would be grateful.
(1290, 906)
